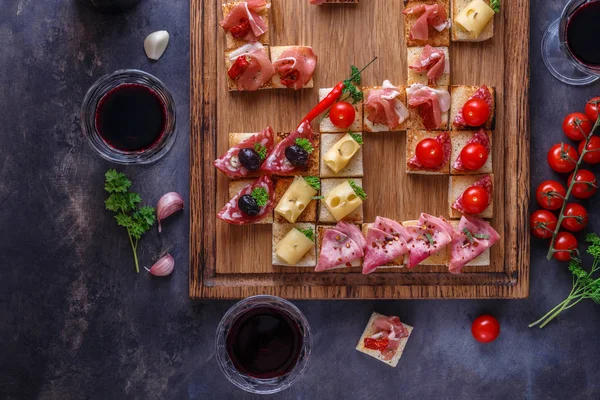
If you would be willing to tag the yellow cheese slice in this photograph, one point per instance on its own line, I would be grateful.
(474, 17)
(342, 200)
(295, 199)
(293, 246)
(340, 153)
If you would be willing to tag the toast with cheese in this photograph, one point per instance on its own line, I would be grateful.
(321, 229)
(307, 214)
(325, 216)
(280, 231)
(236, 186)
(459, 95)
(458, 184)
(370, 330)
(436, 38)
(233, 43)
(231, 85)
(276, 52)
(326, 126)
(413, 55)
(353, 169)
(483, 260)
(415, 122)
(412, 140)
(313, 158)
(459, 141)
(468, 11)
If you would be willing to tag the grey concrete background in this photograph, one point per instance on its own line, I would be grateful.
(77, 323)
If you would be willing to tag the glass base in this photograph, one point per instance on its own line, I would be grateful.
(557, 62)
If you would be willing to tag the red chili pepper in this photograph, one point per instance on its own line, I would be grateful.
(324, 104)
(238, 67)
(376, 344)
(240, 30)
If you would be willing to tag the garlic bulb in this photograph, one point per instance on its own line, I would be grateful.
(167, 205)
(155, 44)
(163, 267)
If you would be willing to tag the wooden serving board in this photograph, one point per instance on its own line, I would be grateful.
(235, 261)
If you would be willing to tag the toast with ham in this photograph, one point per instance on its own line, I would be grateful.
(419, 66)
(459, 140)
(294, 66)
(413, 138)
(459, 34)
(395, 263)
(429, 107)
(263, 13)
(281, 186)
(457, 186)
(280, 230)
(380, 112)
(354, 168)
(322, 231)
(437, 259)
(417, 24)
(390, 355)
(326, 126)
(262, 55)
(460, 94)
(483, 260)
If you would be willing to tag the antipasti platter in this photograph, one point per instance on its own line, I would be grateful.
(315, 178)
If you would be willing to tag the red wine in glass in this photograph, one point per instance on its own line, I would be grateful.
(264, 343)
(582, 34)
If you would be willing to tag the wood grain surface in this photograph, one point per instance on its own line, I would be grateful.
(233, 262)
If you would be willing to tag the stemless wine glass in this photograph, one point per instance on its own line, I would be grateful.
(559, 58)
(253, 384)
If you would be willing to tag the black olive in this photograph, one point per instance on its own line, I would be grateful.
(249, 158)
(297, 156)
(248, 205)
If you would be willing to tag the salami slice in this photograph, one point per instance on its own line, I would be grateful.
(429, 236)
(482, 93)
(382, 247)
(443, 139)
(337, 249)
(473, 237)
(277, 163)
(486, 183)
(352, 231)
(479, 137)
(232, 214)
(229, 163)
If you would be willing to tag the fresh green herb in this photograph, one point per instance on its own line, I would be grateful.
(260, 195)
(357, 137)
(430, 239)
(308, 232)
(481, 236)
(585, 284)
(351, 91)
(469, 235)
(125, 206)
(313, 181)
(260, 150)
(354, 75)
(495, 5)
(357, 189)
(305, 144)
(317, 197)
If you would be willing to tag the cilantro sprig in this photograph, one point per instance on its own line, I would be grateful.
(308, 232)
(357, 137)
(305, 144)
(495, 5)
(260, 195)
(125, 204)
(260, 150)
(359, 191)
(313, 181)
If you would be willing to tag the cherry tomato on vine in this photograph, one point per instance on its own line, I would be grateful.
(485, 328)
(593, 157)
(550, 195)
(475, 200)
(474, 156)
(566, 242)
(430, 153)
(577, 126)
(587, 188)
(543, 224)
(342, 114)
(476, 112)
(562, 157)
(592, 108)
(576, 217)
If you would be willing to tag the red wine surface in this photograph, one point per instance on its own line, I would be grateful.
(583, 32)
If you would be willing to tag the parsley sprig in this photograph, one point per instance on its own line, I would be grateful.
(313, 181)
(357, 189)
(357, 137)
(495, 5)
(308, 232)
(350, 90)
(260, 195)
(125, 204)
(260, 150)
(305, 144)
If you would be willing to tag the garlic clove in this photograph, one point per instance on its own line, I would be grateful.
(155, 44)
(167, 205)
(163, 266)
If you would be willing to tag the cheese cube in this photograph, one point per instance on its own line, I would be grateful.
(342, 200)
(295, 199)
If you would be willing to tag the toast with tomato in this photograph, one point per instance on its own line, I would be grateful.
(346, 114)
(428, 152)
(471, 152)
(472, 107)
(471, 195)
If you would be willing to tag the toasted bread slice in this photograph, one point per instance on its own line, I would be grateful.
(397, 263)
(412, 140)
(483, 260)
(413, 55)
(353, 169)
(321, 229)
(459, 95)
(313, 158)
(460, 183)
(370, 126)
(415, 122)
(325, 216)
(233, 43)
(459, 34)
(459, 140)
(436, 38)
(370, 331)
(231, 85)
(236, 186)
(279, 232)
(308, 215)
(442, 257)
(326, 126)
(276, 52)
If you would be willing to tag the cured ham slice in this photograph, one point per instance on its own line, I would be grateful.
(296, 66)
(277, 163)
(479, 137)
(232, 214)
(229, 163)
(255, 70)
(428, 236)
(386, 339)
(433, 61)
(486, 183)
(472, 238)
(383, 106)
(338, 248)
(382, 247)
(243, 21)
(443, 139)
(482, 93)
(390, 226)
(352, 231)
(432, 103)
(430, 15)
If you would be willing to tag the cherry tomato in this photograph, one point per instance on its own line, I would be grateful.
(593, 147)
(587, 188)
(430, 153)
(485, 328)
(476, 112)
(566, 242)
(576, 217)
(550, 195)
(342, 114)
(475, 200)
(474, 156)
(562, 157)
(543, 224)
(592, 108)
(577, 126)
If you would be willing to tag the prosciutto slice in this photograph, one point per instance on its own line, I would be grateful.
(432, 103)
(382, 247)
(229, 163)
(433, 61)
(482, 93)
(390, 330)
(296, 66)
(472, 238)
(384, 107)
(232, 214)
(429, 236)
(443, 139)
(430, 15)
(338, 248)
(259, 70)
(479, 137)
(486, 183)
(246, 13)
(277, 163)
